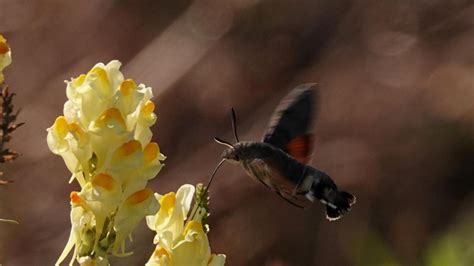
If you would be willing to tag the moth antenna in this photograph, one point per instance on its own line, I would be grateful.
(223, 142)
(234, 123)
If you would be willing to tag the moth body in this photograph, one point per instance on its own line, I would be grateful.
(280, 160)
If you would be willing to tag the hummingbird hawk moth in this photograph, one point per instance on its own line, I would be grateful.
(280, 160)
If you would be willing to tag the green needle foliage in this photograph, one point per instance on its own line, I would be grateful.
(8, 124)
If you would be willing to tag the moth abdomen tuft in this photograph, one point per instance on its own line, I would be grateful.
(338, 205)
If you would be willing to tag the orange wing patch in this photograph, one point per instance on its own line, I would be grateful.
(300, 148)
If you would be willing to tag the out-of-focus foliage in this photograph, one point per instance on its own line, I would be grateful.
(374, 251)
(8, 125)
(455, 245)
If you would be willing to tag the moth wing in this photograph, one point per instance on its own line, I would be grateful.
(256, 169)
(290, 125)
(264, 173)
(300, 147)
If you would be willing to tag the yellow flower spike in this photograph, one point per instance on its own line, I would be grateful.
(139, 196)
(104, 138)
(104, 181)
(127, 87)
(110, 118)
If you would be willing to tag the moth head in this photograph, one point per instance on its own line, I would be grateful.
(230, 154)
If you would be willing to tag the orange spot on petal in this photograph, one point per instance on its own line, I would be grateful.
(167, 202)
(4, 48)
(101, 73)
(111, 116)
(104, 181)
(130, 148)
(75, 198)
(194, 226)
(149, 107)
(128, 86)
(139, 196)
(61, 126)
(3, 45)
(79, 80)
(77, 131)
(160, 252)
(151, 151)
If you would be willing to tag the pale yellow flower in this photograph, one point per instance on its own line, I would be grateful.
(135, 207)
(180, 243)
(5, 56)
(173, 211)
(104, 139)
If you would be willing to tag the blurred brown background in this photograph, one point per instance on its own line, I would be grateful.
(395, 123)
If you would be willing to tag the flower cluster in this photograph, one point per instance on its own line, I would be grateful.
(182, 240)
(5, 56)
(104, 138)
